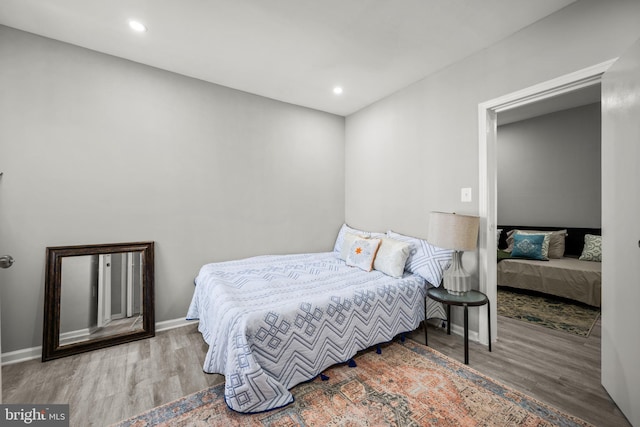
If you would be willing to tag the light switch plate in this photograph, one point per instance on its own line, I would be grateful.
(465, 194)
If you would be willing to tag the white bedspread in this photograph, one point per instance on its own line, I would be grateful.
(272, 322)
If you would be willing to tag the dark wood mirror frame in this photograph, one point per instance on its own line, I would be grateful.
(51, 348)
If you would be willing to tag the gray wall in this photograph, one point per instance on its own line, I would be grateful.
(411, 153)
(97, 149)
(549, 170)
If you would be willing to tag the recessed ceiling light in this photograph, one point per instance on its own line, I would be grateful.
(337, 90)
(137, 26)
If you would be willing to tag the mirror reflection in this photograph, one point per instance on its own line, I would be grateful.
(97, 296)
(101, 295)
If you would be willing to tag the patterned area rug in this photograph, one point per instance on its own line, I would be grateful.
(548, 311)
(407, 385)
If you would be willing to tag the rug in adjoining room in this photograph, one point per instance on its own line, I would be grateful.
(547, 311)
(407, 385)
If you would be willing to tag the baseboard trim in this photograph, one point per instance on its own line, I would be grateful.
(23, 355)
(165, 325)
(459, 330)
(455, 329)
(79, 335)
(32, 353)
(36, 352)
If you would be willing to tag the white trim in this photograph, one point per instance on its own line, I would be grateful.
(459, 330)
(73, 336)
(487, 188)
(563, 84)
(32, 353)
(21, 355)
(104, 290)
(127, 297)
(124, 285)
(172, 324)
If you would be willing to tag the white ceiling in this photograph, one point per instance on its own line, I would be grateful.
(290, 50)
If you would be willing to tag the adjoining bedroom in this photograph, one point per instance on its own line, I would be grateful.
(549, 189)
(549, 183)
(276, 213)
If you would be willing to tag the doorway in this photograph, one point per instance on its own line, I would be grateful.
(487, 197)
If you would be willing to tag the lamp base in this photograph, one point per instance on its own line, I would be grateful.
(455, 279)
(458, 293)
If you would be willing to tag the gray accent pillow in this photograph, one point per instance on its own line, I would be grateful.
(592, 248)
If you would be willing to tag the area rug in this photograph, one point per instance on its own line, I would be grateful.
(408, 384)
(548, 311)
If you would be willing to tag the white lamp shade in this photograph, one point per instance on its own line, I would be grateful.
(453, 231)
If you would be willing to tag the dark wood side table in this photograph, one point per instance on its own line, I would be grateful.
(471, 298)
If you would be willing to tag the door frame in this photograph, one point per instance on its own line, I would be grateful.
(487, 189)
(130, 283)
(104, 290)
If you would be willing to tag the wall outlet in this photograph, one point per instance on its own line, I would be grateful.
(465, 194)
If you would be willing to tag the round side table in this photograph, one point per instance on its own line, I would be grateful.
(470, 299)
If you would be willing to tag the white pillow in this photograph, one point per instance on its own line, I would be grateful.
(392, 257)
(425, 259)
(347, 242)
(362, 253)
(346, 229)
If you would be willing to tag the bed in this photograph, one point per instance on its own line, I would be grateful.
(565, 275)
(272, 322)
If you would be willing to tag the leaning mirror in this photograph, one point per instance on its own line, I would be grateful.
(97, 296)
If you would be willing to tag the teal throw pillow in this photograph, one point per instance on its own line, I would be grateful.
(528, 246)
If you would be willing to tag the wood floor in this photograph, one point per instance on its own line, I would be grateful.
(106, 386)
(555, 367)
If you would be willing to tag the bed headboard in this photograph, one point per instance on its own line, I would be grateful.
(573, 244)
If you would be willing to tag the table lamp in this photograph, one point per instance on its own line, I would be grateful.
(460, 233)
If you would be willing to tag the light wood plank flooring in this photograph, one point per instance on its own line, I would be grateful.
(106, 386)
(555, 367)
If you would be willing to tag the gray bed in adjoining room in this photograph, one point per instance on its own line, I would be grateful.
(563, 274)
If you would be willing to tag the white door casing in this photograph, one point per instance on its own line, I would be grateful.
(104, 290)
(130, 278)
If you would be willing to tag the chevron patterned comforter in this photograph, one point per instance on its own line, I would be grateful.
(272, 322)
